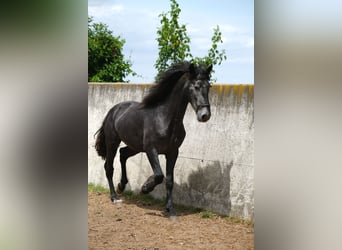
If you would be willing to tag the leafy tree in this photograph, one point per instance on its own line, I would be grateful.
(214, 56)
(106, 62)
(174, 43)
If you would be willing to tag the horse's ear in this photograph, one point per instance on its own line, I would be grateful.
(192, 68)
(210, 68)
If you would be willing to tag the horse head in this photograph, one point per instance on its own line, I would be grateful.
(198, 91)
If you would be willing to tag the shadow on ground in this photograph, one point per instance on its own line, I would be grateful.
(207, 188)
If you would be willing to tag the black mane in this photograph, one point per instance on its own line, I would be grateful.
(166, 82)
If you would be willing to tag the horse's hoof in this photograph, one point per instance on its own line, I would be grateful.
(144, 190)
(171, 212)
(116, 201)
(173, 217)
(119, 189)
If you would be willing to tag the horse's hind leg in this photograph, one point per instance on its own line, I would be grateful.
(125, 153)
(111, 152)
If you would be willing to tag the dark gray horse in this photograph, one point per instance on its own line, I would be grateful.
(155, 126)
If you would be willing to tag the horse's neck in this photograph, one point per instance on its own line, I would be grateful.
(176, 105)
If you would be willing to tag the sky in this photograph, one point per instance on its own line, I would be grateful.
(137, 21)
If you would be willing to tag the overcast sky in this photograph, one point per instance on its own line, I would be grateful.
(137, 22)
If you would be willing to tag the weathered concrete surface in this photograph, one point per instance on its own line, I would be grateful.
(214, 171)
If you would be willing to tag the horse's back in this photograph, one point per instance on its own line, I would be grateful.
(115, 113)
(119, 109)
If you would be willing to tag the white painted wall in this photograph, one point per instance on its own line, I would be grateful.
(214, 171)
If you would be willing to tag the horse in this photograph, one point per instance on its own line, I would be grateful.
(154, 126)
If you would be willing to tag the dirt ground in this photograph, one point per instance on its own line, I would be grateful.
(137, 225)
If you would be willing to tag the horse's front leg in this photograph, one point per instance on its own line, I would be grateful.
(170, 164)
(157, 177)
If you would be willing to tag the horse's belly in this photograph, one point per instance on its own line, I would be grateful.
(132, 136)
(129, 127)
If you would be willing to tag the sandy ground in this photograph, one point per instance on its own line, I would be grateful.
(136, 225)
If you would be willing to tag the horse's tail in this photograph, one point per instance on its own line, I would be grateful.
(100, 144)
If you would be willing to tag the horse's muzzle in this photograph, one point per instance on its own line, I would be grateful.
(203, 113)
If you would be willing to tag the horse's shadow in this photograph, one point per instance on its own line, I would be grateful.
(156, 207)
(207, 188)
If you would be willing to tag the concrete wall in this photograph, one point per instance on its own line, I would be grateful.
(214, 171)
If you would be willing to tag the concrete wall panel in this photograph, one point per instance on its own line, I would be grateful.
(214, 171)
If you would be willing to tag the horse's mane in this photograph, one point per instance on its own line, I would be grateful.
(165, 83)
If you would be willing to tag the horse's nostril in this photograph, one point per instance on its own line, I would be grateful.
(204, 117)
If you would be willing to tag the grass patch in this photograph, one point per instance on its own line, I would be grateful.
(97, 188)
(207, 214)
(186, 209)
(239, 220)
(130, 194)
